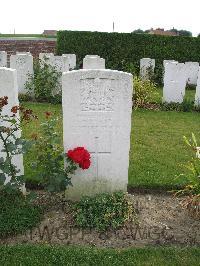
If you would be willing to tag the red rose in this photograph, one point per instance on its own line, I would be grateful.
(81, 156)
(15, 109)
(85, 164)
(48, 114)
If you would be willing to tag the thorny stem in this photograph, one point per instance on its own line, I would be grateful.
(8, 157)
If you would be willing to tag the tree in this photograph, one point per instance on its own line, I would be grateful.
(138, 31)
(174, 30)
(185, 33)
(182, 32)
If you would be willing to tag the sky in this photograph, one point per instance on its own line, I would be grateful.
(26, 16)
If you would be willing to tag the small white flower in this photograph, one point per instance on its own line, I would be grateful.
(198, 152)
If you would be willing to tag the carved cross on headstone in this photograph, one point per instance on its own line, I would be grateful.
(97, 152)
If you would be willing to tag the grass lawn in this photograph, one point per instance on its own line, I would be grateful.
(157, 147)
(26, 35)
(63, 255)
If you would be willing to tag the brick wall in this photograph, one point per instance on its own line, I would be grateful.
(34, 46)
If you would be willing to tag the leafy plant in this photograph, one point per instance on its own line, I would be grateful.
(49, 163)
(104, 211)
(170, 106)
(187, 105)
(44, 84)
(12, 143)
(192, 188)
(25, 97)
(17, 213)
(144, 91)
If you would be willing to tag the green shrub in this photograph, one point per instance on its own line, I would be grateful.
(193, 169)
(104, 211)
(122, 49)
(170, 106)
(25, 97)
(44, 84)
(144, 91)
(192, 187)
(48, 164)
(17, 213)
(186, 106)
(12, 144)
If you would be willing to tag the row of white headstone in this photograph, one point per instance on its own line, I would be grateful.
(191, 69)
(176, 80)
(176, 77)
(99, 119)
(23, 63)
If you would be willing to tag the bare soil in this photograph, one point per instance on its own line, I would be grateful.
(161, 221)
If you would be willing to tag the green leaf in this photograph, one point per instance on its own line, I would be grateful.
(2, 178)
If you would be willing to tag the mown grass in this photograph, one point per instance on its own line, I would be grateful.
(63, 255)
(26, 35)
(157, 147)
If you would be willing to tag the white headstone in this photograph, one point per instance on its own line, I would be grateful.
(47, 57)
(3, 59)
(197, 95)
(169, 61)
(8, 87)
(93, 62)
(58, 63)
(174, 82)
(98, 119)
(23, 53)
(61, 63)
(23, 63)
(71, 59)
(192, 69)
(147, 66)
(66, 63)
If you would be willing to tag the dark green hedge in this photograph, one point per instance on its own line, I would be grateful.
(123, 51)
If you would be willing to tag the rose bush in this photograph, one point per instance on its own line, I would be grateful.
(48, 166)
(12, 144)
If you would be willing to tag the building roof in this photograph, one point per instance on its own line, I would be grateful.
(163, 32)
(50, 32)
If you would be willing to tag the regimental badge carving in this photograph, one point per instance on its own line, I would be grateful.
(20, 62)
(97, 97)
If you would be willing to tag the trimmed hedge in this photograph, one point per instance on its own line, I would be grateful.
(123, 51)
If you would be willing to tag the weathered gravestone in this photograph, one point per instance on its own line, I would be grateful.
(61, 63)
(47, 57)
(192, 69)
(174, 82)
(99, 119)
(8, 87)
(93, 62)
(23, 63)
(147, 66)
(3, 59)
(71, 58)
(23, 53)
(197, 94)
(169, 61)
